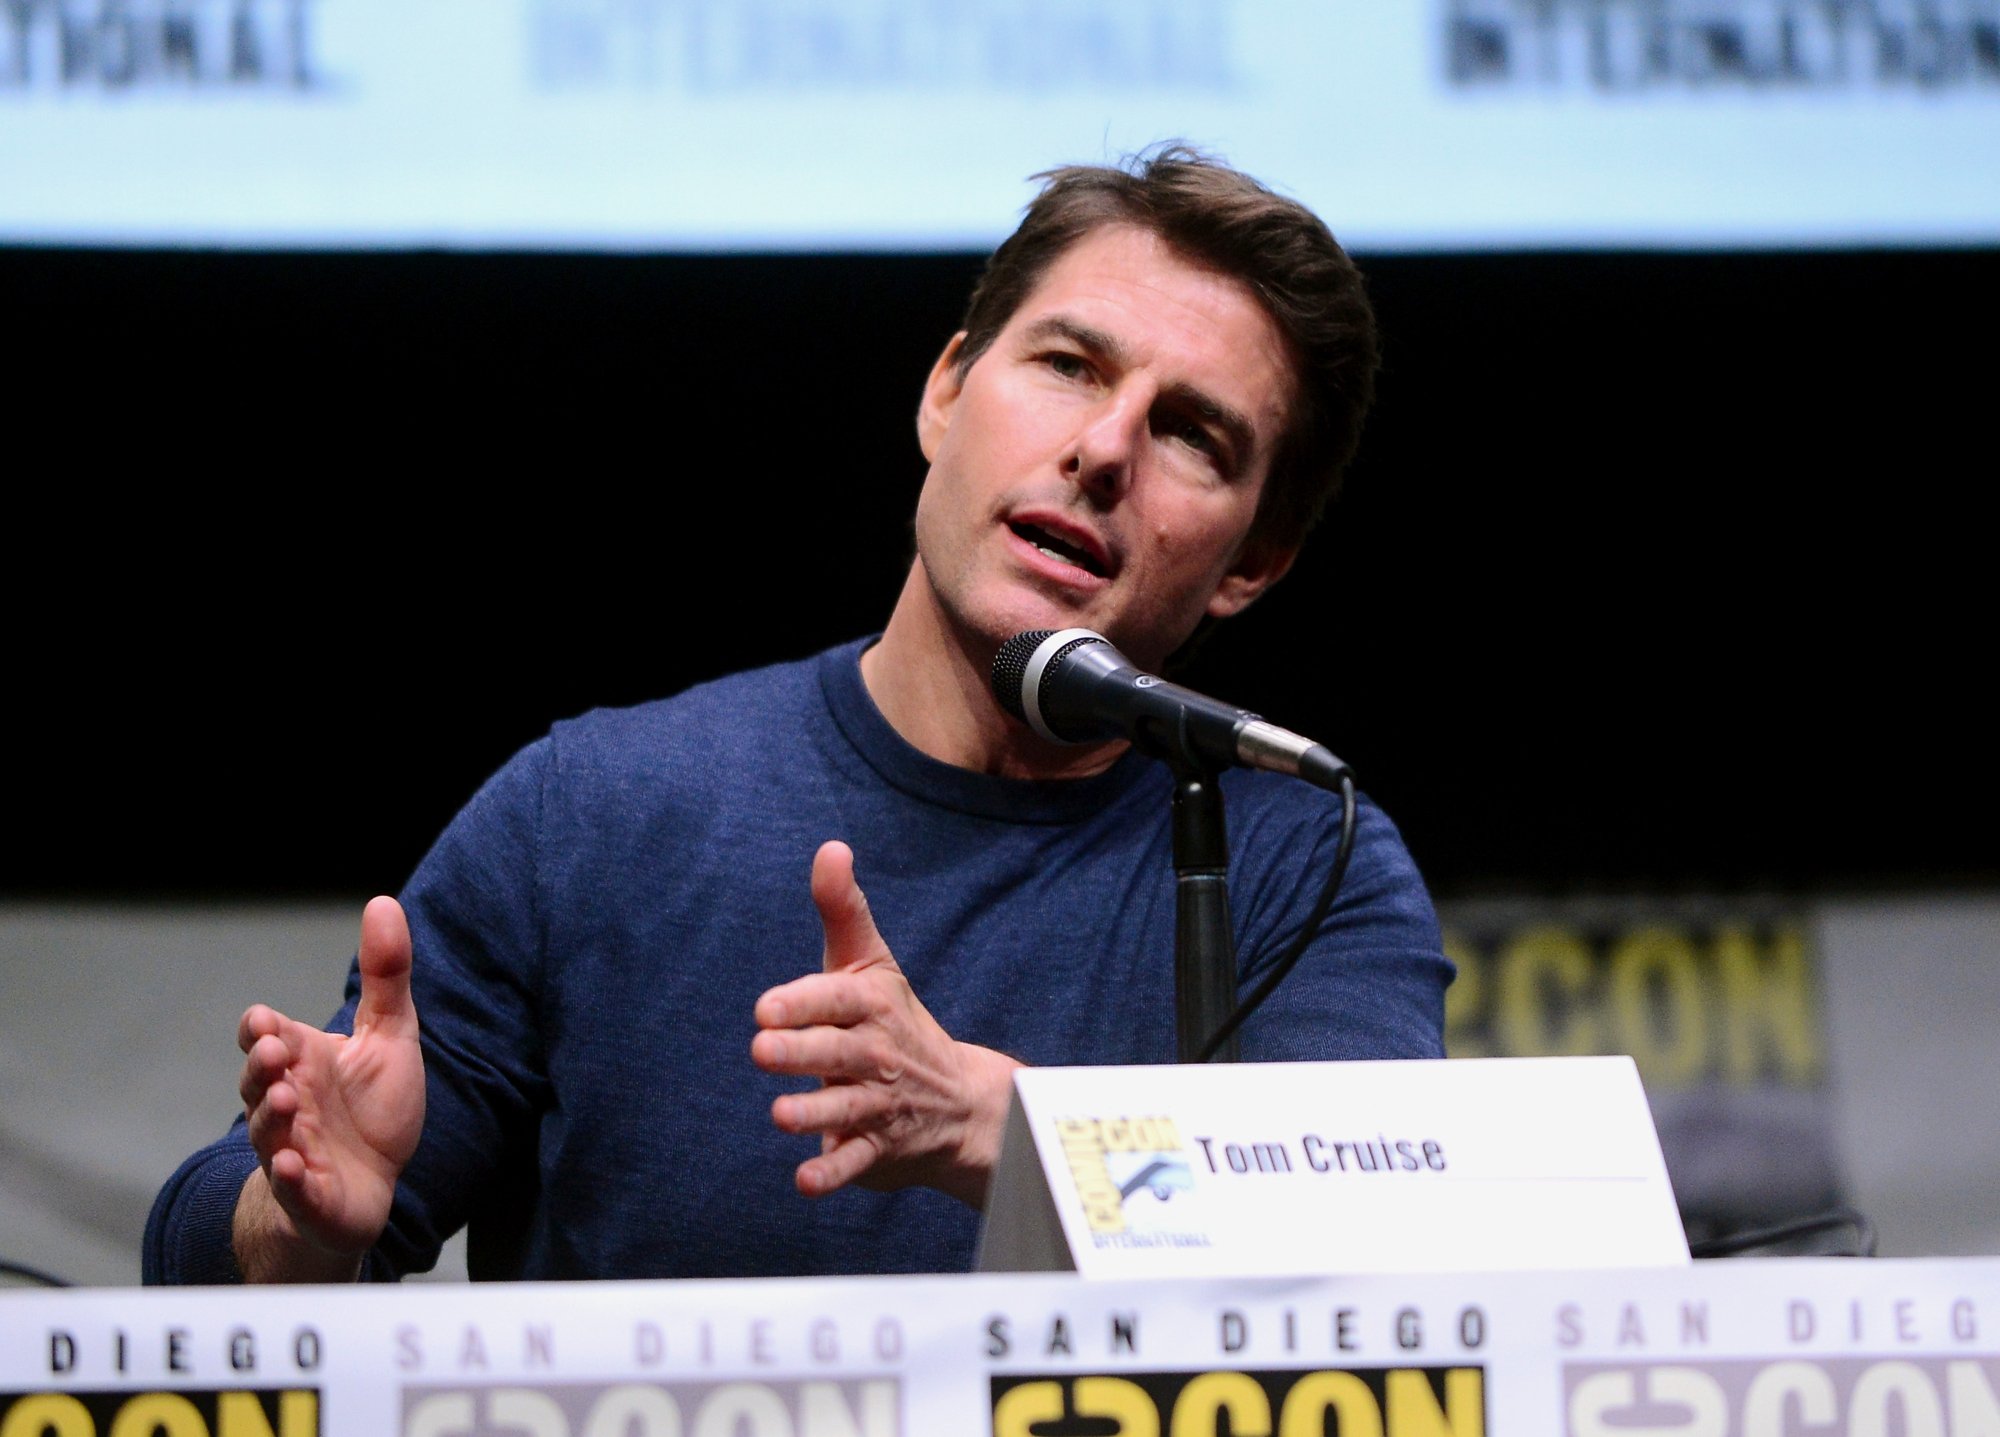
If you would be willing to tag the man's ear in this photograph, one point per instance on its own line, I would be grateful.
(940, 394)
(1259, 564)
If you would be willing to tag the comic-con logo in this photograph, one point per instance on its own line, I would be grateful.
(1916, 1396)
(1125, 1169)
(1383, 1401)
(288, 1412)
(834, 1407)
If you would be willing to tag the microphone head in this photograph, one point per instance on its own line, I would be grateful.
(1010, 666)
(1022, 662)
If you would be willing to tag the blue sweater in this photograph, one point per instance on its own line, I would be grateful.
(592, 931)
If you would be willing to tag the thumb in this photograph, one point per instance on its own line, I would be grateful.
(385, 1005)
(852, 940)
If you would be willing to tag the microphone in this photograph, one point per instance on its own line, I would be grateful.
(1072, 686)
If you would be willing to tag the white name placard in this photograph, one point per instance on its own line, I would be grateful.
(1285, 1168)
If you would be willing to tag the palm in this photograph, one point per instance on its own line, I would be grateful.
(335, 1118)
(360, 1113)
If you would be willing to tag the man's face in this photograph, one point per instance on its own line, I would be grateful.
(1100, 464)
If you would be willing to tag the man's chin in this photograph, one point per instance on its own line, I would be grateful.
(1142, 649)
(1030, 618)
(1003, 612)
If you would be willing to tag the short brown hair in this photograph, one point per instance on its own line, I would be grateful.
(1222, 219)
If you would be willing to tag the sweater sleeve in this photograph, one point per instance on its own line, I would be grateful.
(188, 1231)
(475, 927)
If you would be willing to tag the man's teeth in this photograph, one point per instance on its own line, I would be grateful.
(1057, 550)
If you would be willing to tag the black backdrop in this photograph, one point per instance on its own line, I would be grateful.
(1657, 572)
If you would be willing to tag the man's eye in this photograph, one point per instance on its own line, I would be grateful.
(1196, 437)
(1069, 366)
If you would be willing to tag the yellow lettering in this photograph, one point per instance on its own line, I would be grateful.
(1125, 1403)
(1103, 1204)
(1084, 1142)
(1465, 1000)
(1021, 1409)
(1131, 1135)
(1343, 1394)
(1541, 1006)
(1414, 1411)
(48, 1414)
(1198, 1410)
(1079, 1135)
(1767, 1007)
(1656, 1001)
(159, 1414)
(239, 1414)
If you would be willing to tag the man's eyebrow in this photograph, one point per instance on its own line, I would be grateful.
(1236, 427)
(1056, 326)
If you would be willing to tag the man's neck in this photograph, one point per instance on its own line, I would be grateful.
(930, 680)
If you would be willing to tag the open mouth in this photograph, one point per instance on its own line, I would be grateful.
(1057, 548)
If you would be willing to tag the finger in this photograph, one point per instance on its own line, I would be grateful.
(837, 999)
(838, 1166)
(270, 1122)
(287, 1175)
(845, 1108)
(258, 1021)
(834, 1054)
(304, 1194)
(852, 940)
(263, 1065)
(385, 1005)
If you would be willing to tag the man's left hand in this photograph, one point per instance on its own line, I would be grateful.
(901, 1103)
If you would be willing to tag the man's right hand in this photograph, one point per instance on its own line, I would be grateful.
(334, 1119)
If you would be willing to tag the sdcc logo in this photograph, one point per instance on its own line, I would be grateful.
(1837, 1397)
(288, 1412)
(863, 1407)
(1124, 1169)
(1380, 1402)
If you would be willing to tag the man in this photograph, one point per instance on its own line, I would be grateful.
(1159, 380)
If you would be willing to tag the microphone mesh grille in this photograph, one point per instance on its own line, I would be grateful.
(1010, 666)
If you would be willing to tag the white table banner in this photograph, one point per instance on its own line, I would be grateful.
(1712, 1349)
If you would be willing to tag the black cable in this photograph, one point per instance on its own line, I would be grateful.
(32, 1274)
(1291, 956)
(1724, 1246)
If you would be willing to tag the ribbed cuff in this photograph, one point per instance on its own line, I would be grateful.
(190, 1233)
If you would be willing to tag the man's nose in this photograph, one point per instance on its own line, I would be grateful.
(1106, 451)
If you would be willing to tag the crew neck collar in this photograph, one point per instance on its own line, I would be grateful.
(917, 774)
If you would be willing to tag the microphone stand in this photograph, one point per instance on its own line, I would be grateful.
(1204, 947)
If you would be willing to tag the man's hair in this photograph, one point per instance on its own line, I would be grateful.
(1221, 219)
